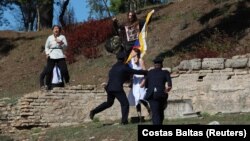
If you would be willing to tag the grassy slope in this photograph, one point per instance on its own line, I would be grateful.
(175, 26)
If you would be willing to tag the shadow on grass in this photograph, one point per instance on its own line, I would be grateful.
(5, 46)
(233, 24)
(8, 44)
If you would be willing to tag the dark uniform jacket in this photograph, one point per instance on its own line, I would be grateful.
(118, 74)
(155, 82)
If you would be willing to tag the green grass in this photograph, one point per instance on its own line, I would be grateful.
(93, 131)
(97, 130)
(11, 100)
(5, 138)
(111, 130)
(237, 118)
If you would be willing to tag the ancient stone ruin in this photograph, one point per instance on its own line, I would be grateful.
(210, 85)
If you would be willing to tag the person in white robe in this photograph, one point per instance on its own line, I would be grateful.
(137, 93)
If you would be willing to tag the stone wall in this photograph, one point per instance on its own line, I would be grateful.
(214, 84)
(211, 85)
(64, 106)
(59, 107)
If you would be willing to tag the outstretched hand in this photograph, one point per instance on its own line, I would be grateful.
(114, 19)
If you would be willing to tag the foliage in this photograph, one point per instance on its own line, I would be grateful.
(98, 9)
(121, 6)
(66, 13)
(29, 9)
(84, 38)
(117, 6)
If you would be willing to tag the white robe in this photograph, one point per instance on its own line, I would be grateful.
(136, 93)
(57, 78)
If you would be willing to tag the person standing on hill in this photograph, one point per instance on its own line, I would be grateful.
(158, 83)
(118, 75)
(54, 50)
(129, 32)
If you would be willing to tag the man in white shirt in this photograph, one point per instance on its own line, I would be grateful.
(54, 50)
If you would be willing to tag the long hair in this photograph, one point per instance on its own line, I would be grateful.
(134, 17)
(138, 52)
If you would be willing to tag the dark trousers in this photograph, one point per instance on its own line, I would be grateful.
(42, 76)
(138, 106)
(121, 97)
(61, 63)
(157, 107)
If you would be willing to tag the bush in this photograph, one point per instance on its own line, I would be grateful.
(84, 38)
(205, 53)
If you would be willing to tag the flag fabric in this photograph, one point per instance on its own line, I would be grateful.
(141, 42)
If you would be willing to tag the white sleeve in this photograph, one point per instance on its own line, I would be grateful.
(130, 64)
(47, 46)
(65, 44)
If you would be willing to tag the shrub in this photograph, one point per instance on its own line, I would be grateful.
(84, 38)
(205, 53)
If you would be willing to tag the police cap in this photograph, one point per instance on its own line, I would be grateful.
(120, 55)
(158, 60)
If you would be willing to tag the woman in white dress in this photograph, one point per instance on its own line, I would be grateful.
(137, 93)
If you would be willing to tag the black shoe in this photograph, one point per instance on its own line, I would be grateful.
(124, 123)
(91, 115)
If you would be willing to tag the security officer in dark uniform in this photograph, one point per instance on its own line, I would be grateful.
(118, 75)
(158, 83)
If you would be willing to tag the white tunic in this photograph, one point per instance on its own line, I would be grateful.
(136, 93)
(57, 78)
(53, 49)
